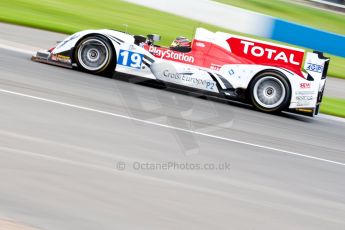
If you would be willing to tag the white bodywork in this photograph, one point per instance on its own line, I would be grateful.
(304, 93)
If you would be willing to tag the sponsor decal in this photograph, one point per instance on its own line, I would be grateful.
(171, 55)
(188, 78)
(200, 44)
(303, 103)
(215, 67)
(304, 93)
(61, 58)
(304, 85)
(267, 54)
(314, 67)
(305, 110)
(305, 98)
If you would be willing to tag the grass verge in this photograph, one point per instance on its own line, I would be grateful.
(333, 106)
(69, 16)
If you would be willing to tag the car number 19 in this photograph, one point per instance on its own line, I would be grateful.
(130, 59)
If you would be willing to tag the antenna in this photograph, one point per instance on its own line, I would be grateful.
(126, 26)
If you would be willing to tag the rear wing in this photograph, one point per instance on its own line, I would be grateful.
(316, 65)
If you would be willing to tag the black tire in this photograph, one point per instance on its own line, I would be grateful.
(96, 55)
(270, 92)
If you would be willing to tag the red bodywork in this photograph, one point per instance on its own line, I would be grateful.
(241, 51)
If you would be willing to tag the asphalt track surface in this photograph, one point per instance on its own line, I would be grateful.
(71, 144)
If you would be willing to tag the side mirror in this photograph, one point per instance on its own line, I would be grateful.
(138, 39)
(154, 37)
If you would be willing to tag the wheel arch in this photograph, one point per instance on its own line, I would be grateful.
(73, 58)
(108, 72)
(268, 70)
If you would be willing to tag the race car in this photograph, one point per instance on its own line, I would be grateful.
(269, 76)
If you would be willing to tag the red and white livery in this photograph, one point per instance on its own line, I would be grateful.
(271, 77)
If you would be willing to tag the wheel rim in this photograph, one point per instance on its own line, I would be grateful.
(93, 54)
(269, 92)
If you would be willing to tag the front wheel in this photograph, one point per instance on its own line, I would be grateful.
(94, 54)
(270, 92)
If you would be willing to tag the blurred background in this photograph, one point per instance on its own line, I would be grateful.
(149, 16)
(336, 5)
(69, 16)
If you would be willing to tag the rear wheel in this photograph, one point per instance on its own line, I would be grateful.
(270, 92)
(95, 54)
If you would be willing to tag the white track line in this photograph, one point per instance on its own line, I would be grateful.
(170, 127)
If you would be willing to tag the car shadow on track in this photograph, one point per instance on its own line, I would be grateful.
(202, 95)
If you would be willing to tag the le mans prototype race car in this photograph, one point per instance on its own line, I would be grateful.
(267, 75)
